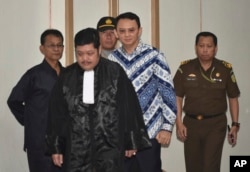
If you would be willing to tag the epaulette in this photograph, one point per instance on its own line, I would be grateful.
(226, 64)
(185, 62)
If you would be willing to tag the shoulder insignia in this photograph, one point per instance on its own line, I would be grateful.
(226, 64)
(233, 78)
(185, 62)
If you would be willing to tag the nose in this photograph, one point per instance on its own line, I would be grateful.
(108, 34)
(56, 47)
(205, 49)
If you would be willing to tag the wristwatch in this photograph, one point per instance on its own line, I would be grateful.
(236, 124)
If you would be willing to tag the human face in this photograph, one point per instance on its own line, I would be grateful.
(108, 39)
(128, 33)
(52, 48)
(87, 56)
(205, 49)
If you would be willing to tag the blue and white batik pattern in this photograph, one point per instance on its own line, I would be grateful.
(150, 74)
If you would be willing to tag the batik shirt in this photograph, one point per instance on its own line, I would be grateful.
(149, 72)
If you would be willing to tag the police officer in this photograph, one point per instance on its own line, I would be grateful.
(106, 30)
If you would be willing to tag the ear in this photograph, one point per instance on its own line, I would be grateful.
(216, 49)
(140, 32)
(195, 49)
(99, 50)
(41, 49)
(116, 35)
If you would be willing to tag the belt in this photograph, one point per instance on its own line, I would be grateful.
(203, 116)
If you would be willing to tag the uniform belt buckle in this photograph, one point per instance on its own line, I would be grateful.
(199, 117)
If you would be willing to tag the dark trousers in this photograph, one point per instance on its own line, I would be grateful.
(38, 162)
(148, 160)
(204, 144)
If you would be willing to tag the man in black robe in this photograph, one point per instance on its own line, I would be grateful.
(95, 117)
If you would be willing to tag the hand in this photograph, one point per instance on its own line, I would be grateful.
(57, 159)
(130, 153)
(164, 137)
(232, 135)
(181, 131)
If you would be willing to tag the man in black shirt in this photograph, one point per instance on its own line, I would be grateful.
(29, 99)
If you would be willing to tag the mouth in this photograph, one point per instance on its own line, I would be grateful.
(85, 63)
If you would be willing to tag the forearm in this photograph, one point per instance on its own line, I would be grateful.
(234, 109)
(179, 101)
(17, 109)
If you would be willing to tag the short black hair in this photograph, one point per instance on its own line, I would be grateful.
(129, 15)
(206, 34)
(87, 36)
(47, 32)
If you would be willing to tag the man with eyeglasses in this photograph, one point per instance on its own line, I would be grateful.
(108, 40)
(29, 100)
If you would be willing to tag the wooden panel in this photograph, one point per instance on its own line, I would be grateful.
(113, 8)
(155, 39)
(69, 33)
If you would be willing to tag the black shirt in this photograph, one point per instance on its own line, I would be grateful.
(29, 100)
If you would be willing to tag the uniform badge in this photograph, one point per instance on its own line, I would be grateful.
(227, 65)
(191, 77)
(108, 21)
(233, 78)
(185, 62)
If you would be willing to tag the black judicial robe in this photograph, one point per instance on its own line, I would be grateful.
(94, 137)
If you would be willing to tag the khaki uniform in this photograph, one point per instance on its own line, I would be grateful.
(205, 104)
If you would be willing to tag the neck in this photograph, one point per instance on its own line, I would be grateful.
(105, 53)
(130, 48)
(55, 65)
(205, 64)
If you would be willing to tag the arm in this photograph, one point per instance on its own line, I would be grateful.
(234, 111)
(17, 98)
(166, 89)
(181, 129)
(136, 136)
(57, 125)
(16, 107)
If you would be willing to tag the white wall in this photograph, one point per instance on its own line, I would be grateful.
(22, 22)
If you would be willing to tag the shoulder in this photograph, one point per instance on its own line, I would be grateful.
(188, 62)
(144, 46)
(152, 48)
(109, 64)
(32, 71)
(70, 73)
(224, 63)
(187, 65)
(69, 69)
(154, 52)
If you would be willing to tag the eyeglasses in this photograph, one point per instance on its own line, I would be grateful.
(53, 46)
